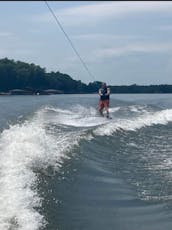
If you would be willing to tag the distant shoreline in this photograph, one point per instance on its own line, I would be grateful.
(20, 78)
(47, 94)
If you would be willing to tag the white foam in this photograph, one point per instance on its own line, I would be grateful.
(22, 148)
(138, 109)
(29, 145)
(148, 119)
(58, 110)
(79, 116)
(114, 109)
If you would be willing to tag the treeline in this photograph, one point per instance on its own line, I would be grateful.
(142, 89)
(30, 77)
(24, 76)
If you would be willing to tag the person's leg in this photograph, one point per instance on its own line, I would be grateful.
(101, 107)
(107, 111)
(107, 108)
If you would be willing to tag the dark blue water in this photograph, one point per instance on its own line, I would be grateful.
(62, 166)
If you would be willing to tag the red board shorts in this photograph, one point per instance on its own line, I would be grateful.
(103, 104)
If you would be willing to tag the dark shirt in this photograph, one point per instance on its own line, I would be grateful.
(104, 96)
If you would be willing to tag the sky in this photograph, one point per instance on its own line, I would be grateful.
(121, 42)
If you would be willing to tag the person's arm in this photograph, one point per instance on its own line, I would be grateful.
(100, 92)
(108, 91)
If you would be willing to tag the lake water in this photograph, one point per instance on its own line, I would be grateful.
(63, 167)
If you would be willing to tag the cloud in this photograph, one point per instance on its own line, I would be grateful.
(134, 48)
(100, 11)
(15, 52)
(165, 28)
(6, 34)
(104, 37)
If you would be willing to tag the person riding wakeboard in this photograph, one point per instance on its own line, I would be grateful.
(104, 93)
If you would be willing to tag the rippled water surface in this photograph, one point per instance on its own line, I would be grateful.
(64, 167)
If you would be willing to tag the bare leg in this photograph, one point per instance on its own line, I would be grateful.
(101, 107)
(107, 112)
(101, 111)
